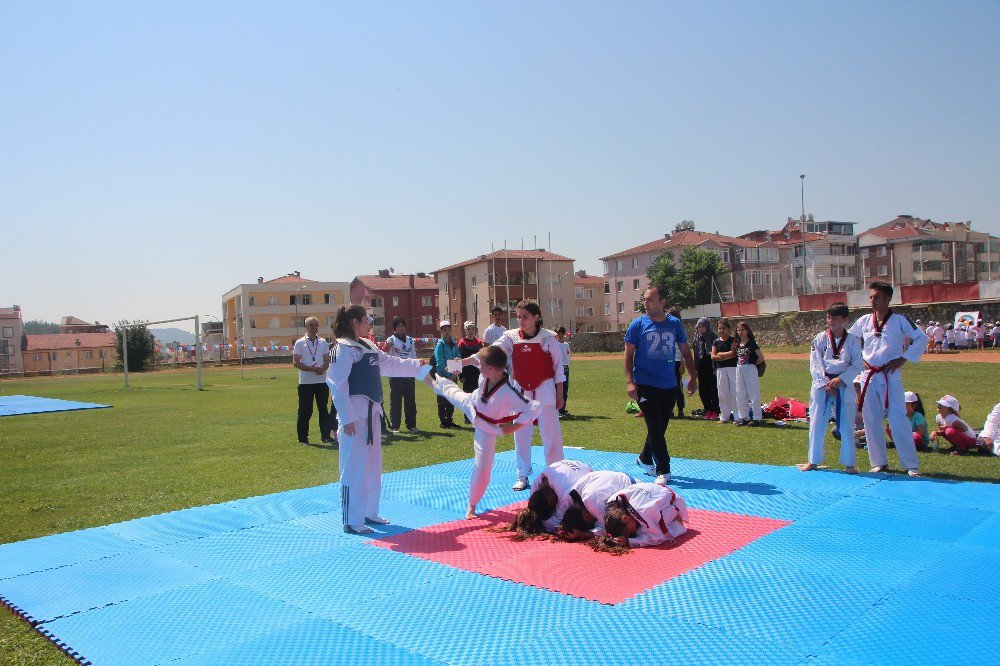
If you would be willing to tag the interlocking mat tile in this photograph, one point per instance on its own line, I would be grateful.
(16, 405)
(778, 567)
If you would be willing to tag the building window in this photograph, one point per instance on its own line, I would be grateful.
(36, 358)
(474, 280)
(330, 320)
(590, 293)
(881, 250)
(253, 323)
(635, 283)
(427, 320)
(326, 299)
(376, 302)
(88, 354)
(620, 286)
(8, 331)
(306, 299)
(607, 287)
(54, 356)
(883, 271)
(101, 353)
(579, 311)
(590, 312)
(69, 354)
(299, 322)
(618, 265)
(273, 322)
(272, 299)
(590, 328)
(250, 301)
(621, 308)
(427, 301)
(635, 262)
(395, 301)
(607, 309)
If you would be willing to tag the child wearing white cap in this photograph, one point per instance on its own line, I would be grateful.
(915, 412)
(951, 427)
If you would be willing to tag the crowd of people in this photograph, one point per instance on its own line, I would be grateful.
(943, 338)
(512, 381)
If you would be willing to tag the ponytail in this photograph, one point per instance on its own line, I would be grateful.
(342, 327)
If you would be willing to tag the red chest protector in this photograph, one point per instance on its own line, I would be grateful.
(532, 365)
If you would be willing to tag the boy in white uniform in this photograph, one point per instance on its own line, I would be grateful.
(495, 408)
(938, 337)
(884, 336)
(355, 377)
(564, 348)
(834, 362)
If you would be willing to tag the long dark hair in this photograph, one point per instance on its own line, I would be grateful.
(529, 522)
(614, 526)
(342, 327)
(532, 307)
(574, 518)
(919, 404)
(751, 341)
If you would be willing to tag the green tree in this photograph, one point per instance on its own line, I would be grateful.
(37, 326)
(140, 345)
(692, 283)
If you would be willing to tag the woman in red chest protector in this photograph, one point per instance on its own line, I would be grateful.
(536, 370)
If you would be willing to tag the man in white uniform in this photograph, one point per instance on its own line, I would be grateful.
(884, 335)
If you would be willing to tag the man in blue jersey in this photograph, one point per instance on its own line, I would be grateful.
(650, 378)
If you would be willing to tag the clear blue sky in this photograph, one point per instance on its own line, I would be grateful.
(155, 154)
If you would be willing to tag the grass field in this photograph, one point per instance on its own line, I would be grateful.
(166, 446)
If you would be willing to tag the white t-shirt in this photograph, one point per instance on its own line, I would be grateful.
(493, 333)
(564, 347)
(312, 353)
(950, 420)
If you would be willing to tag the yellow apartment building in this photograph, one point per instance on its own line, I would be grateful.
(273, 312)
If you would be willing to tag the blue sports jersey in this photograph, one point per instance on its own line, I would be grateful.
(654, 350)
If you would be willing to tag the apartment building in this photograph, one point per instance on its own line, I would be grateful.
(822, 257)
(755, 270)
(71, 324)
(588, 299)
(273, 312)
(11, 341)
(910, 250)
(388, 295)
(469, 289)
(69, 352)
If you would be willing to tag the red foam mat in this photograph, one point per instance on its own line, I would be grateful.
(575, 569)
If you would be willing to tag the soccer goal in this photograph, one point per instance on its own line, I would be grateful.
(147, 324)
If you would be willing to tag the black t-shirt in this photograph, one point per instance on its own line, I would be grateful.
(721, 346)
(746, 354)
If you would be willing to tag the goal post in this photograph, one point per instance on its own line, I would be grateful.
(197, 343)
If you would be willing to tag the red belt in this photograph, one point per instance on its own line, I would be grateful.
(505, 419)
(864, 388)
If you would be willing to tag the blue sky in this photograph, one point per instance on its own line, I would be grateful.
(155, 154)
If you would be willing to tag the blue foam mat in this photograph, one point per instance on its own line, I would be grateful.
(867, 560)
(18, 405)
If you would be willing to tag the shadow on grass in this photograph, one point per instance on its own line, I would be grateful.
(583, 417)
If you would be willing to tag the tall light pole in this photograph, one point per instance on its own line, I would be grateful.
(802, 230)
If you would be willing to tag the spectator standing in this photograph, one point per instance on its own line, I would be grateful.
(564, 348)
(402, 390)
(495, 329)
(445, 351)
(311, 355)
(708, 388)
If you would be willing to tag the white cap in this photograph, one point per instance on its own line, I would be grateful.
(910, 396)
(949, 401)
(468, 324)
(444, 322)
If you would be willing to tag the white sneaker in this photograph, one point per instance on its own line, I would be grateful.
(648, 470)
(522, 484)
(662, 479)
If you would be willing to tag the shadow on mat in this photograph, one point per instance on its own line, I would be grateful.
(426, 542)
(711, 484)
